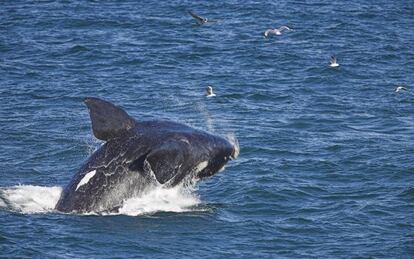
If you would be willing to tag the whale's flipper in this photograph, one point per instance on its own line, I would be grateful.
(167, 159)
(108, 120)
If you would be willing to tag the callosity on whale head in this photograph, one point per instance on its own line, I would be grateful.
(140, 155)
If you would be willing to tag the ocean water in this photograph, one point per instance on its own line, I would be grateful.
(326, 164)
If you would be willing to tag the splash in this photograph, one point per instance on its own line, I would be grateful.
(176, 199)
(233, 140)
(29, 199)
(208, 118)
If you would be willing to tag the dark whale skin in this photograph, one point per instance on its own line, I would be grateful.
(138, 156)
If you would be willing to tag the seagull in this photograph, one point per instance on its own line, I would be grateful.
(200, 20)
(209, 91)
(276, 31)
(400, 88)
(333, 62)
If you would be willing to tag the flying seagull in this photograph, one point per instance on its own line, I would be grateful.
(209, 91)
(333, 62)
(276, 31)
(400, 88)
(200, 20)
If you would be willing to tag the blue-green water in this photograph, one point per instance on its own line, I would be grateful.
(326, 164)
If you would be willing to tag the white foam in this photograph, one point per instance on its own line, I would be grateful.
(38, 199)
(233, 140)
(30, 199)
(86, 179)
(177, 199)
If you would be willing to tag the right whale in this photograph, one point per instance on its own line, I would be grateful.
(138, 155)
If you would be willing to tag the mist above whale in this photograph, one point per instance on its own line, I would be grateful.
(138, 155)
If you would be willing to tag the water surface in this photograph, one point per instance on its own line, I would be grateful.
(326, 164)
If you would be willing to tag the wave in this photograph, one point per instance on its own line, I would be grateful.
(29, 199)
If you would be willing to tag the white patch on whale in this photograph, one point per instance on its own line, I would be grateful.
(200, 167)
(86, 179)
(221, 169)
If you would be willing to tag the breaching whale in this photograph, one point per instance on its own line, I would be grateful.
(138, 155)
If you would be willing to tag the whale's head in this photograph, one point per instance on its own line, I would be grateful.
(178, 152)
(220, 151)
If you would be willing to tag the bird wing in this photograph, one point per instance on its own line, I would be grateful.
(197, 17)
(333, 59)
(282, 28)
(267, 32)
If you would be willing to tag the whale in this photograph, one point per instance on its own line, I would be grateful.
(139, 155)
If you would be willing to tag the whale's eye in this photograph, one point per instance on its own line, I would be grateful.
(138, 164)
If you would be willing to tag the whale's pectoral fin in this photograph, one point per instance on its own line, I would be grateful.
(108, 120)
(167, 159)
(139, 163)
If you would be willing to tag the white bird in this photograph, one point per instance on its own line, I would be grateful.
(199, 19)
(400, 88)
(333, 62)
(209, 91)
(276, 31)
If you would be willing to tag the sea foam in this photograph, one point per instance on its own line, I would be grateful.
(176, 199)
(30, 199)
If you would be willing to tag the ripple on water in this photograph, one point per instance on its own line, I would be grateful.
(325, 168)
